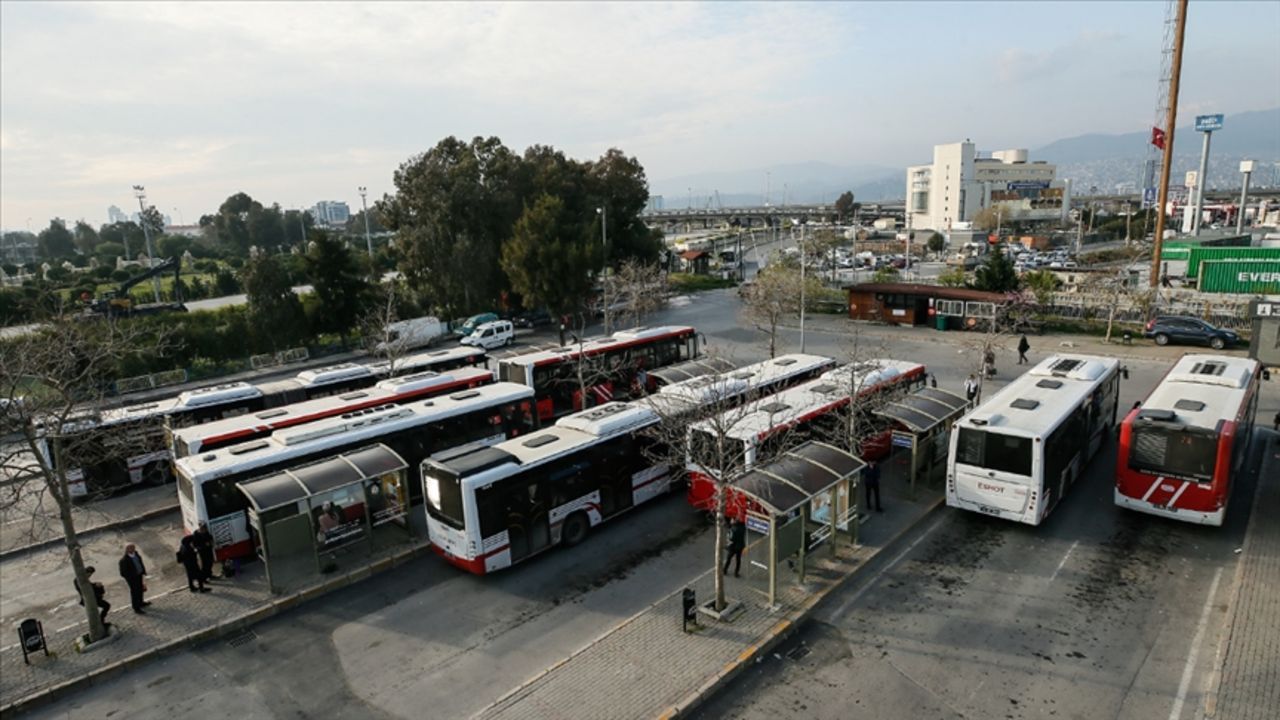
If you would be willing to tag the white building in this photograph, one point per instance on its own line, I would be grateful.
(331, 212)
(959, 183)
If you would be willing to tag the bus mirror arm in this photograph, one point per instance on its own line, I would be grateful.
(1124, 371)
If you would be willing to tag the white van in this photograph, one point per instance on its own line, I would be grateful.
(409, 334)
(491, 335)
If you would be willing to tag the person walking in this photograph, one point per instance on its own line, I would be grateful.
(99, 592)
(190, 559)
(737, 543)
(989, 363)
(971, 387)
(134, 572)
(1023, 347)
(871, 478)
(203, 540)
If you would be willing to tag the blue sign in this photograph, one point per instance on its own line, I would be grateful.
(901, 440)
(1208, 123)
(1028, 185)
(1148, 196)
(755, 524)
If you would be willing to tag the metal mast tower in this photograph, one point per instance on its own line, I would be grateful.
(1167, 95)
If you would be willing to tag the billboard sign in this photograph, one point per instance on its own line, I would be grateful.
(1208, 123)
(1148, 197)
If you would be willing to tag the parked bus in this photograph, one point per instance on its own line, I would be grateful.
(207, 482)
(393, 391)
(1016, 455)
(612, 367)
(684, 402)
(774, 423)
(673, 374)
(1180, 449)
(130, 446)
(492, 507)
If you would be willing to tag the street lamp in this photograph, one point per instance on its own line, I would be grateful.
(364, 203)
(603, 212)
(141, 194)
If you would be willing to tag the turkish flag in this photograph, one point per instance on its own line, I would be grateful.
(1157, 137)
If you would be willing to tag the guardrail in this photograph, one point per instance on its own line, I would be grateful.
(284, 357)
(150, 382)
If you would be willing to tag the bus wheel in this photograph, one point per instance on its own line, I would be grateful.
(575, 529)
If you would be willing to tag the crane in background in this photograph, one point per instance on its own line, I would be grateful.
(1175, 30)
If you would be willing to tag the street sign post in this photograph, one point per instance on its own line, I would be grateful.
(1208, 123)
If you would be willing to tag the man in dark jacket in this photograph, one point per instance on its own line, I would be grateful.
(1023, 347)
(203, 540)
(871, 478)
(99, 592)
(737, 543)
(134, 572)
(189, 558)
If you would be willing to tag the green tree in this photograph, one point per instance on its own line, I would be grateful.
(937, 243)
(109, 251)
(886, 274)
(844, 205)
(242, 222)
(56, 240)
(997, 273)
(1042, 284)
(549, 257)
(618, 184)
(127, 235)
(339, 283)
(152, 221)
(86, 238)
(953, 277)
(275, 312)
(172, 246)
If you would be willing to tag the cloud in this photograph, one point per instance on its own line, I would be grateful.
(1017, 65)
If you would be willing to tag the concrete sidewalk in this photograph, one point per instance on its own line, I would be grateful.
(34, 524)
(177, 620)
(1249, 676)
(647, 666)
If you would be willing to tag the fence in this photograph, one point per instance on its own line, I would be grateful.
(150, 382)
(284, 357)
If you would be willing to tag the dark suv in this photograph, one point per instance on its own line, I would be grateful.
(1180, 329)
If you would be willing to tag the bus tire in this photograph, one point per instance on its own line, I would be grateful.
(575, 529)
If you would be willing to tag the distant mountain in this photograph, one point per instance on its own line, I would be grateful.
(808, 182)
(1248, 134)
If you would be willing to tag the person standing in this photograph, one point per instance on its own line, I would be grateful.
(203, 540)
(737, 543)
(134, 572)
(971, 387)
(99, 592)
(1023, 347)
(871, 478)
(190, 559)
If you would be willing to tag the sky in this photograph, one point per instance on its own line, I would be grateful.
(299, 102)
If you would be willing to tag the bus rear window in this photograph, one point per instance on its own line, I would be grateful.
(994, 451)
(1173, 451)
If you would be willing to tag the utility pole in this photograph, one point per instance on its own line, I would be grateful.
(141, 193)
(368, 241)
(1170, 120)
(1246, 167)
(802, 264)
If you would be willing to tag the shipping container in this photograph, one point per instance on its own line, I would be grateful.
(1201, 254)
(1242, 277)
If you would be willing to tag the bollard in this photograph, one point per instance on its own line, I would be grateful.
(690, 603)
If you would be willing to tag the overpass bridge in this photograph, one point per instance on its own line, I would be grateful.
(765, 215)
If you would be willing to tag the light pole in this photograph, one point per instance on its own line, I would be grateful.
(603, 212)
(368, 242)
(141, 193)
(1246, 167)
(803, 258)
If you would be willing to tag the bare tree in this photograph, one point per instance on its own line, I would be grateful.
(53, 390)
(635, 292)
(772, 298)
(376, 324)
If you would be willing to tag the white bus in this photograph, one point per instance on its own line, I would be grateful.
(207, 482)
(1016, 455)
(490, 508)
(778, 422)
(393, 391)
(698, 397)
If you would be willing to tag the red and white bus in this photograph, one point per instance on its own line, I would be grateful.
(736, 440)
(1016, 455)
(613, 366)
(1180, 449)
(131, 446)
(698, 397)
(207, 483)
(492, 507)
(394, 391)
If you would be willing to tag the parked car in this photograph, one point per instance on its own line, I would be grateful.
(409, 334)
(1182, 329)
(474, 322)
(532, 319)
(491, 335)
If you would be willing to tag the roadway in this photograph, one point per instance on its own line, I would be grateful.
(1106, 600)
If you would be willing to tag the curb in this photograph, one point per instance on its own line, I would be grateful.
(775, 635)
(105, 527)
(785, 627)
(220, 629)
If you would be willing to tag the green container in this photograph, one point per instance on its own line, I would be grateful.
(1202, 254)
(1242, 277)
(940, 322)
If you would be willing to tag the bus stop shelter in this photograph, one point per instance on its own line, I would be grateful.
(311, 519)
(798, 500)
(922, 423)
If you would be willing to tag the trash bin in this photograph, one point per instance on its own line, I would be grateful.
(940, 321)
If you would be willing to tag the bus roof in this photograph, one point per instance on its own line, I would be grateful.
(1035, 403)
(622, 338)
(686, 395)
(815, 396)
(313, 410)
(570, 433)
(428, 360)
(361, 426)
(1201, 390)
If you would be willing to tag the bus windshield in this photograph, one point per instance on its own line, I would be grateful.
(1174, 451)
(994, 451)
(444, 496)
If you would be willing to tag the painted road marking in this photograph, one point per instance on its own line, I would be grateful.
(1064, 561)
(1181, 698)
